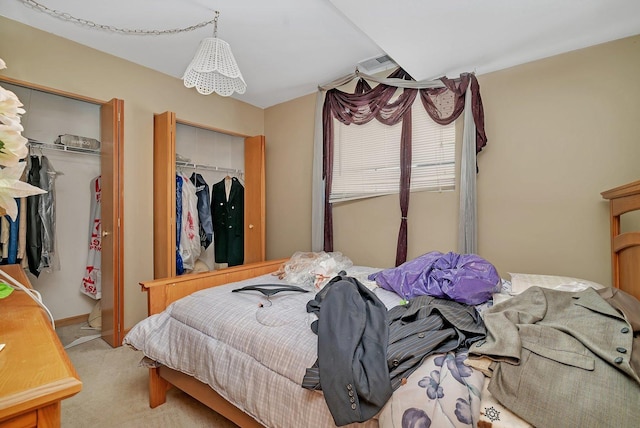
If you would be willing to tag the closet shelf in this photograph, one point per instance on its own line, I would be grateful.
(61, 147)
(196, 166)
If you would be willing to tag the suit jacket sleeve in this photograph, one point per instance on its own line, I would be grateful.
(503, 323)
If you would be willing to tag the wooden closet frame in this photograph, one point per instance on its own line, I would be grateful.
(164, 193)
(625, 247)
(112, 171)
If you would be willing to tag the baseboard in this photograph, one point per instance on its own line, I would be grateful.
(78, 319)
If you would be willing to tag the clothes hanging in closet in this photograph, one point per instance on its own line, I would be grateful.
(47, 210)
(227, 212)
(187, 225)
(92, 280)
(204, 209)
(34, 222)
(22, 230)
(14, 232)
(34, 230)
(179, 265)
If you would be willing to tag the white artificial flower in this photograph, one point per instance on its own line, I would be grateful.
(13, 146)
(11, 187)
(10, 106)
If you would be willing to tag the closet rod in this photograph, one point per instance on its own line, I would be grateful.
(61, 147)
(208, 167)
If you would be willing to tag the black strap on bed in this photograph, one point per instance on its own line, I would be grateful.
(268, 291)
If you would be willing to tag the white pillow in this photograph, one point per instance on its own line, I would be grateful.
(522, 281)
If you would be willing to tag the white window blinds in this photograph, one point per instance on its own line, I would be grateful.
(367, 157)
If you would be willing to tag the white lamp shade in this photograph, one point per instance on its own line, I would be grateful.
(214, 69)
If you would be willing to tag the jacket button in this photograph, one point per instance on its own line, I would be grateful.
(618, 360)
(349, 387)
(421, 335)
(624, 330)
(395, 362)
(353, 406)
(621, 350)
(351, 399)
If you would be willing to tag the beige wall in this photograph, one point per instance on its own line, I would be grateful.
(560, 130)
(41, 58)
(289, 131)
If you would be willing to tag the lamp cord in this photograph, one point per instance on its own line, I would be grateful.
(215, 25)
(87, 23)
(34, 294)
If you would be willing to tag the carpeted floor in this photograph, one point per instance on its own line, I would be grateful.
(114, 390)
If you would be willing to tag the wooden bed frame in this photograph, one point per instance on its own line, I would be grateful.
(161, 293)
(625, 247)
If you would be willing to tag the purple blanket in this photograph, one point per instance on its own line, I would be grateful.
(465, 278)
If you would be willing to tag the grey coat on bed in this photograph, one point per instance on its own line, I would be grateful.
(352, 347)
(563, 359)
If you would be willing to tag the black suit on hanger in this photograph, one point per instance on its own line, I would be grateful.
(228, 223)
(34, 222)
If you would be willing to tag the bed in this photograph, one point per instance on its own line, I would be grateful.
(280, 401)
(455, 388)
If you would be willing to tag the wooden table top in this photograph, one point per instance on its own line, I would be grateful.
(35, 370)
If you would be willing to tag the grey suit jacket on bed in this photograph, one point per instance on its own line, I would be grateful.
(563, 359)
(352, 343)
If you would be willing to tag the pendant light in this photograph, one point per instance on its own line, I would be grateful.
(214, 68)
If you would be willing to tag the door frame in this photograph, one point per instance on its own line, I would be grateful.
(112, 220)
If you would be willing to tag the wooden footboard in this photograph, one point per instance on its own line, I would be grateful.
(161, 293)
(165, 377)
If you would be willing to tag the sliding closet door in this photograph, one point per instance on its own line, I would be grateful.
(112, 267)
(164, 195)
(254, 196)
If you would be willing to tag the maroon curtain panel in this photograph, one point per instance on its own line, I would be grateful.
(444, 105)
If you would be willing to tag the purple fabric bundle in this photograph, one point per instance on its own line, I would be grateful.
(465, 278)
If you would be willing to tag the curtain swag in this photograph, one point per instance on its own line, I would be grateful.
(366, 103)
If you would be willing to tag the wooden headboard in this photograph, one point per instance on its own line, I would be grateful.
(625, 247)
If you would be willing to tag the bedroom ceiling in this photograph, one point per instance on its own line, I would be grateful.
(286, 48)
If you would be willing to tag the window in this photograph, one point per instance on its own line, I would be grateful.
(367, 157)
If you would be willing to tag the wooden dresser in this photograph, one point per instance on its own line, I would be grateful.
(625, 246)
(35, 371)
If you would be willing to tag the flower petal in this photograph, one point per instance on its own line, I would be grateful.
(9, 204)
(14, 146)
(12, 173)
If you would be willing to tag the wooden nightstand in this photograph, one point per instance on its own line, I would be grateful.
(35, 371)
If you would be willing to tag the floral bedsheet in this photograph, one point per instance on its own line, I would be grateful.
(443, 392)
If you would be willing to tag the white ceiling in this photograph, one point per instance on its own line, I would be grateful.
(286, 48)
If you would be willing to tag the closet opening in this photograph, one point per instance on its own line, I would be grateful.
(209, 203)
(211, 164)
(73, 239)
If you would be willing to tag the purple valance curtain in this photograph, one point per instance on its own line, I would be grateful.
(444, 105)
